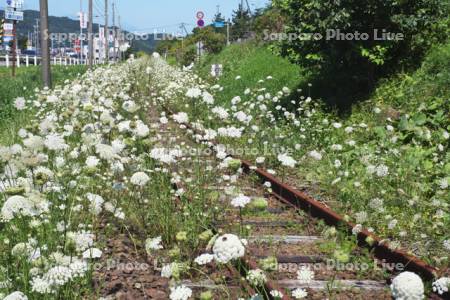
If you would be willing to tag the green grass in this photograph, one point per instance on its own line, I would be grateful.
(252, 63)
(407, 135)
(24, 85)
(26, 81)
(427, 88)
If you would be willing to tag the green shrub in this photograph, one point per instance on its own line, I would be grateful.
(349, 67)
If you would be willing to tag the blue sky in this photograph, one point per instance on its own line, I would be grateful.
(146, 15)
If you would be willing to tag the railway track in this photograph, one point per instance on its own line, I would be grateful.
(294, 241)
(287, 239)
(288, 231)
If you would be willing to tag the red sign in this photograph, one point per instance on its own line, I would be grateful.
(200, 15)
(77, 46)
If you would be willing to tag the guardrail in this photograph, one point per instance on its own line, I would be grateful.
(29, 60)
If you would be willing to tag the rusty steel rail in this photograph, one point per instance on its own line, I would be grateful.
(318, 210)
(315, 208)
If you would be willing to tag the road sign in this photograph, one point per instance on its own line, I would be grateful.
(11, 14)
(200, 15)
(8, 27)
(200, 23)
(219, 24)
(17, 4)
(7, 39)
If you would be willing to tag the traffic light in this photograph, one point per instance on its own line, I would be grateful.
(2, 22)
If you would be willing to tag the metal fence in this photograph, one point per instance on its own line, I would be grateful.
(29, 60)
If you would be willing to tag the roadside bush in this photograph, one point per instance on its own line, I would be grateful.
(352, 67)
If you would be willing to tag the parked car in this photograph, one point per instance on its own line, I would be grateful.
(29, 52)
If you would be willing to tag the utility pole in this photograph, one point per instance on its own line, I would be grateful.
(82, 21)
(106, 32)
(91, 34)
(114, 30)
(45, 51)
(14, 48)
(120, 40)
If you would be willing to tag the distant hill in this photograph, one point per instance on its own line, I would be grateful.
(68, 25)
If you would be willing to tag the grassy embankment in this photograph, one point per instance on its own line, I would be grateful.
(400, 131)
(24, 85)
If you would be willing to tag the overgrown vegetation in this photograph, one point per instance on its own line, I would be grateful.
(347, 68)
(25, 83)
(250, 63)
(384, 165)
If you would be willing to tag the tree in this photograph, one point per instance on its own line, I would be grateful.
(22, 42)
(242, 23)
(213, 42)
(349, 62)
(268, 22)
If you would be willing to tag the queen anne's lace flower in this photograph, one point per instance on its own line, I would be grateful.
(204, 259)
(240, 201)
(315, 155)
(220, 112)
(228, 247)
(276, 294)
(17, 206)
(92, 253)
(55, 142)
(305, 275)
(16, 296)
(194, 92)
(442, 285)
(180, 293)
(166, 271)
(287, 160)
(153, 244)
(140, 179)
(256, 277)
(105, 152)
(407, 286)
(82, 240)
(96, 203)
(20, 103)
(181, 118)
(299, 293)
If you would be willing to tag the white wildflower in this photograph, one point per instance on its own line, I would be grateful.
(204, 259)
(287, 160)
(256, 277)
(315, 155)
(407, 286)
(153, 244)
(299, 293)
(139, 179)
(194, 93)
(181, 118)
(442, 285)
(305, 275)
(20, 103)
(228, 247)
(92, 253)
(180, 293)
(240, 201)
(16, 296)
(276, 294)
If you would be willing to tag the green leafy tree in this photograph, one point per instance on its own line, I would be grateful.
(213, 42)
(242, 23)
(267, 22)
(352, 66)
